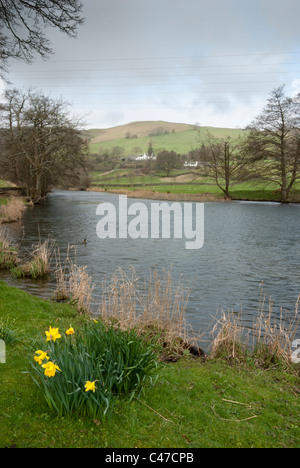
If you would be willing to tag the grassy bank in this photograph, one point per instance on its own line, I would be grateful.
(197, 194)
(194, 403)
(184, 185)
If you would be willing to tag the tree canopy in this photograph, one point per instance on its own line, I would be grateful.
(23, 23)
(224, 160)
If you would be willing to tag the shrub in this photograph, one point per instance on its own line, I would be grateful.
(87, 372)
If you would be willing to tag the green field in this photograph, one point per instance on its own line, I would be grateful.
(181, 138)
(186, 182)
(194, 403)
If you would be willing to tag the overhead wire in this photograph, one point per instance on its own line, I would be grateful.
(167, 87)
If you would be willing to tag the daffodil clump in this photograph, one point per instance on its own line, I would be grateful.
(87, 371)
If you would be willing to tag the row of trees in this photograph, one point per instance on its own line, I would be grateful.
(41, 146)
(268, 150)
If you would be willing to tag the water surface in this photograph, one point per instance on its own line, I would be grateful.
(245, 244)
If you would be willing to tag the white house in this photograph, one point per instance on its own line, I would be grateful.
(145, 157)
(190, 164)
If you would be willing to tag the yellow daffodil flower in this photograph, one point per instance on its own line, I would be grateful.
(52, 334)
(70, 331)
(42, 355)
(90, 386)
(50, 369)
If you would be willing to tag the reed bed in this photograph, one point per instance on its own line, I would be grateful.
(73, 283)
(8, 251)
(270, 339)
(274, 335)
(154, 307)
(39, 266)
(229, 337)
(12, 211)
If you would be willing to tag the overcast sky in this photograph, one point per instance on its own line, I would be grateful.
(213, 62)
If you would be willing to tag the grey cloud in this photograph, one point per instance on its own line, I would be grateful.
(169, 54)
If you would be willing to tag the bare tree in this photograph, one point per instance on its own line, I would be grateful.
(167, 161)
(41, 146)
(274, 142)
(224, 160)
(23, 22)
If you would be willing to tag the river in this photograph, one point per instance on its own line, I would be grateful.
(245, 244)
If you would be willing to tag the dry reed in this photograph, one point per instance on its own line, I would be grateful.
(12, 211)
(229, 338)
(73, 283)
(274, 335)
(8, 252)
(271, 336)
(40, 264)
(155, 308)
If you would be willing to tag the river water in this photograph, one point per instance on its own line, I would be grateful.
(245, 244)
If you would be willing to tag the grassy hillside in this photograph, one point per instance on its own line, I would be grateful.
(178, 137)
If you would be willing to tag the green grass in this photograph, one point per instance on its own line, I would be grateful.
(183, 140)
(193, 403)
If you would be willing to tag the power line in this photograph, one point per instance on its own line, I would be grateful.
(164, 92)
(187, 105)
(203, 83)
(188, 57)
(158, 68)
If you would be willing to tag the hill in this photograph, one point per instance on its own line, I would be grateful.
(134, 137)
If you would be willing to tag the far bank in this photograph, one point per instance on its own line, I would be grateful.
(259, 196)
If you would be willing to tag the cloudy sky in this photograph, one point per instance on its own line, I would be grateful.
(213, 62)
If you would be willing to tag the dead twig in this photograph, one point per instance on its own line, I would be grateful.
(232, 420)
(160, 415)
(237, 402)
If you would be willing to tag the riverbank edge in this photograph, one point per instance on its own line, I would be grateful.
(150, 195)
(196, 198)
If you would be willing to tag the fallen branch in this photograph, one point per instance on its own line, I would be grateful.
(237, 402)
